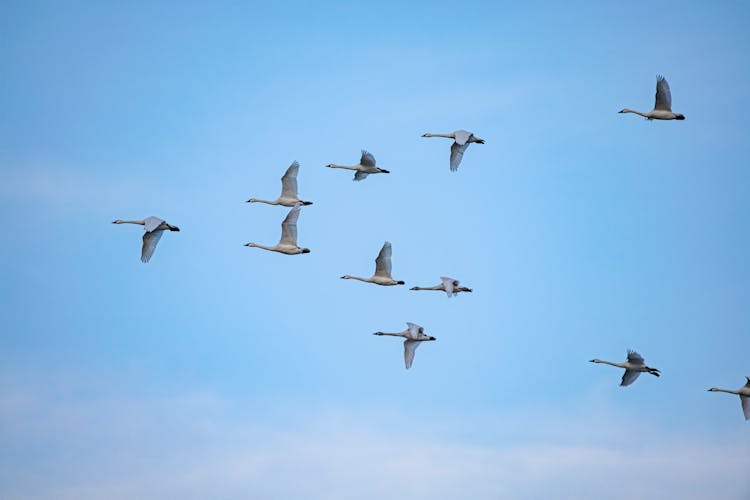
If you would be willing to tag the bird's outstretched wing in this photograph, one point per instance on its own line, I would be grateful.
(461, 136)
(457, 153)
(383, 261)
(289, 227)
(629, 377)
(358, 175)
(409, 347)
(663, 94)
(449, 284)
(745, 406)
(289, 181)
(150, 239)
(635, 358)
(152, 223)
(367, 159)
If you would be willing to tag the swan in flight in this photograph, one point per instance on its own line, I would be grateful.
(288, 242)
(633, 367)
(154, 228)
(663, 105)
(382, 274)
(414, 336)
(744, 394)
(448, 285)
(461, 141)
(288, 196)
(365, 167)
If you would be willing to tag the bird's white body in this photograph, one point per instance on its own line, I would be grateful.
(461, 141)
(744, 394)
(383, 266)
(662, 105)
(288, 242)
(365, 167)
(634, 366)
(414, 336)
(154, 227)
(288, 197)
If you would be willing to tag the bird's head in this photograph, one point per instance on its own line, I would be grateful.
(251, 200)
(346, 277)
(595, 360)
(427, 135)
(679, 117)
(250, 245)
(378, 333)
(118, 221)
(713, 389)
(623, 110)
(414, 288)
(330, 165)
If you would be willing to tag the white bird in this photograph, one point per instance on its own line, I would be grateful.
(461, 141)
(414, 336)
(365, 167)
(633, 367)
(382, 274)
(744, 394)
(288, 242)
(154, 228)
(448, 285)
(663, 105)
(288, 196)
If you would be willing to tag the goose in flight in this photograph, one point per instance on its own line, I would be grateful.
(744, 394)
(448, 285)
(633, 367)
(288, 242)
(154, 228)
(365, 167)
(461, 141)
(288, 196)
(382, 274)
(663, 105)
(414, 336)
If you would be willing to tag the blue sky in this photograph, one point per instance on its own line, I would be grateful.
(219, 371)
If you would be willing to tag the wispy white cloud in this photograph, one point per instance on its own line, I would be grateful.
(202, 446)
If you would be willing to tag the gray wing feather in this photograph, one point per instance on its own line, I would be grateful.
(457, 153)
(151, 223)
(367, 159)
(289, 181)
(461, 136)
(409, 347)
(359, 175)
(289, 227)
(663, 94)
(635, 358)
(383, 261)
(150, 239)
(629, 377)
(745, 406)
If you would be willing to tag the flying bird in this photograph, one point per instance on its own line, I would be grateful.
(744, 394)
(288, 196)
(634, 366)
(154, 228)
(663, 105)
(365, 167)
(288, 242)
(414, 336)
(449, 286)
(461, 141)
(382, 274)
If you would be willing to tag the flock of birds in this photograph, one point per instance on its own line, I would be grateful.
(414, 334)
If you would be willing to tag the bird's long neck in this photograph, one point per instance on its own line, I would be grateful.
(366, 280)
(142, 223)
(255, 200)
(354, 167)
(618, 365)
(447, 136)
(726, 390)
(273, 249)
(626, 110)
(390, 334)
(436, 287)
